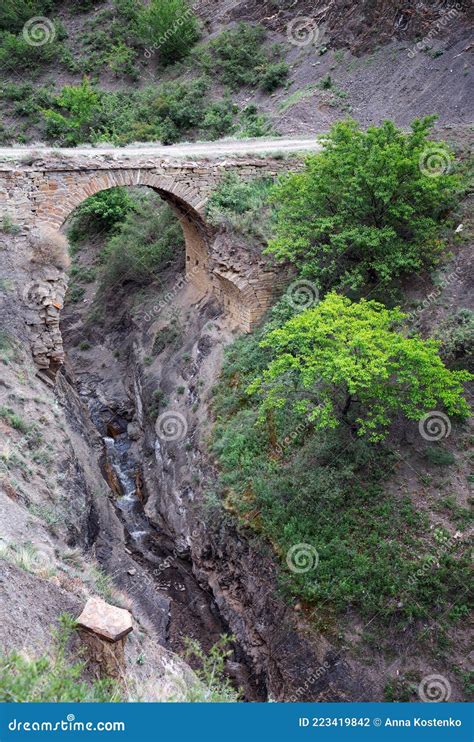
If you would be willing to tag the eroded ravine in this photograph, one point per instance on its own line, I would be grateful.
(188, 608)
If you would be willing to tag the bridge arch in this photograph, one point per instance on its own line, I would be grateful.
(187, 203)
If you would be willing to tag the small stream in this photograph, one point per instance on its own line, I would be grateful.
(117, 456)
(192, 609)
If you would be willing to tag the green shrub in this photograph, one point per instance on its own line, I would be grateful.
(254, 124)
(363, 213)
(52, 678)
(169, 336)
(121, 61)
(78, 106)
(219, 118)
(15, 13)
(213, 685)
(344, 362)
(101, 213)
(17, 54)
(456, 335)
(14, 420)
(238, 57)
(169, 29)
(274, 76)
(241, 205)
(148, 241)
(75, 293)
(325, 83)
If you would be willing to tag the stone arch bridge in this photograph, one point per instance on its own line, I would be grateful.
(39, 189)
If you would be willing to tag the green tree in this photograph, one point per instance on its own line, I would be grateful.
(170, 29)
(148, 240)
(101, 213)
(364, 211)
(79, 107)
(346, 362)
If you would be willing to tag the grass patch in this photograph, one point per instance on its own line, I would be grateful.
(439, 456)
(242, 206)
(307, 92)
(14, 420)
(52, 677)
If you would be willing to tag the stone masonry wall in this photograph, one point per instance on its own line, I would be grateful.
(42, 190)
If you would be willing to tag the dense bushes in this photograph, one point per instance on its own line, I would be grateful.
(296, 486)
(241, 205)
(15, 13)
(149, 239)
(239, 57)
(305, 401)
(143, 237)
(169, 29)
(364, 212)
(101, 213)
(456, 335)
(167, 113)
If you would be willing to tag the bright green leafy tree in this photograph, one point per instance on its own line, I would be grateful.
(346, 362)
(79, 106)
(365, 211)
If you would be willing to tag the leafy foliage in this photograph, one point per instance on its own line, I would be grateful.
(109, 41)
(292, 485)
(171, 28)
(101, 213)
(241, 205)
(86, 114)
(363, 212)
(213, 686)
(17, 54)
(239, 58)
(51, 678)
(456, 336)
(15, 13)
(344, 361)
(149, 239)
(79, 104)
